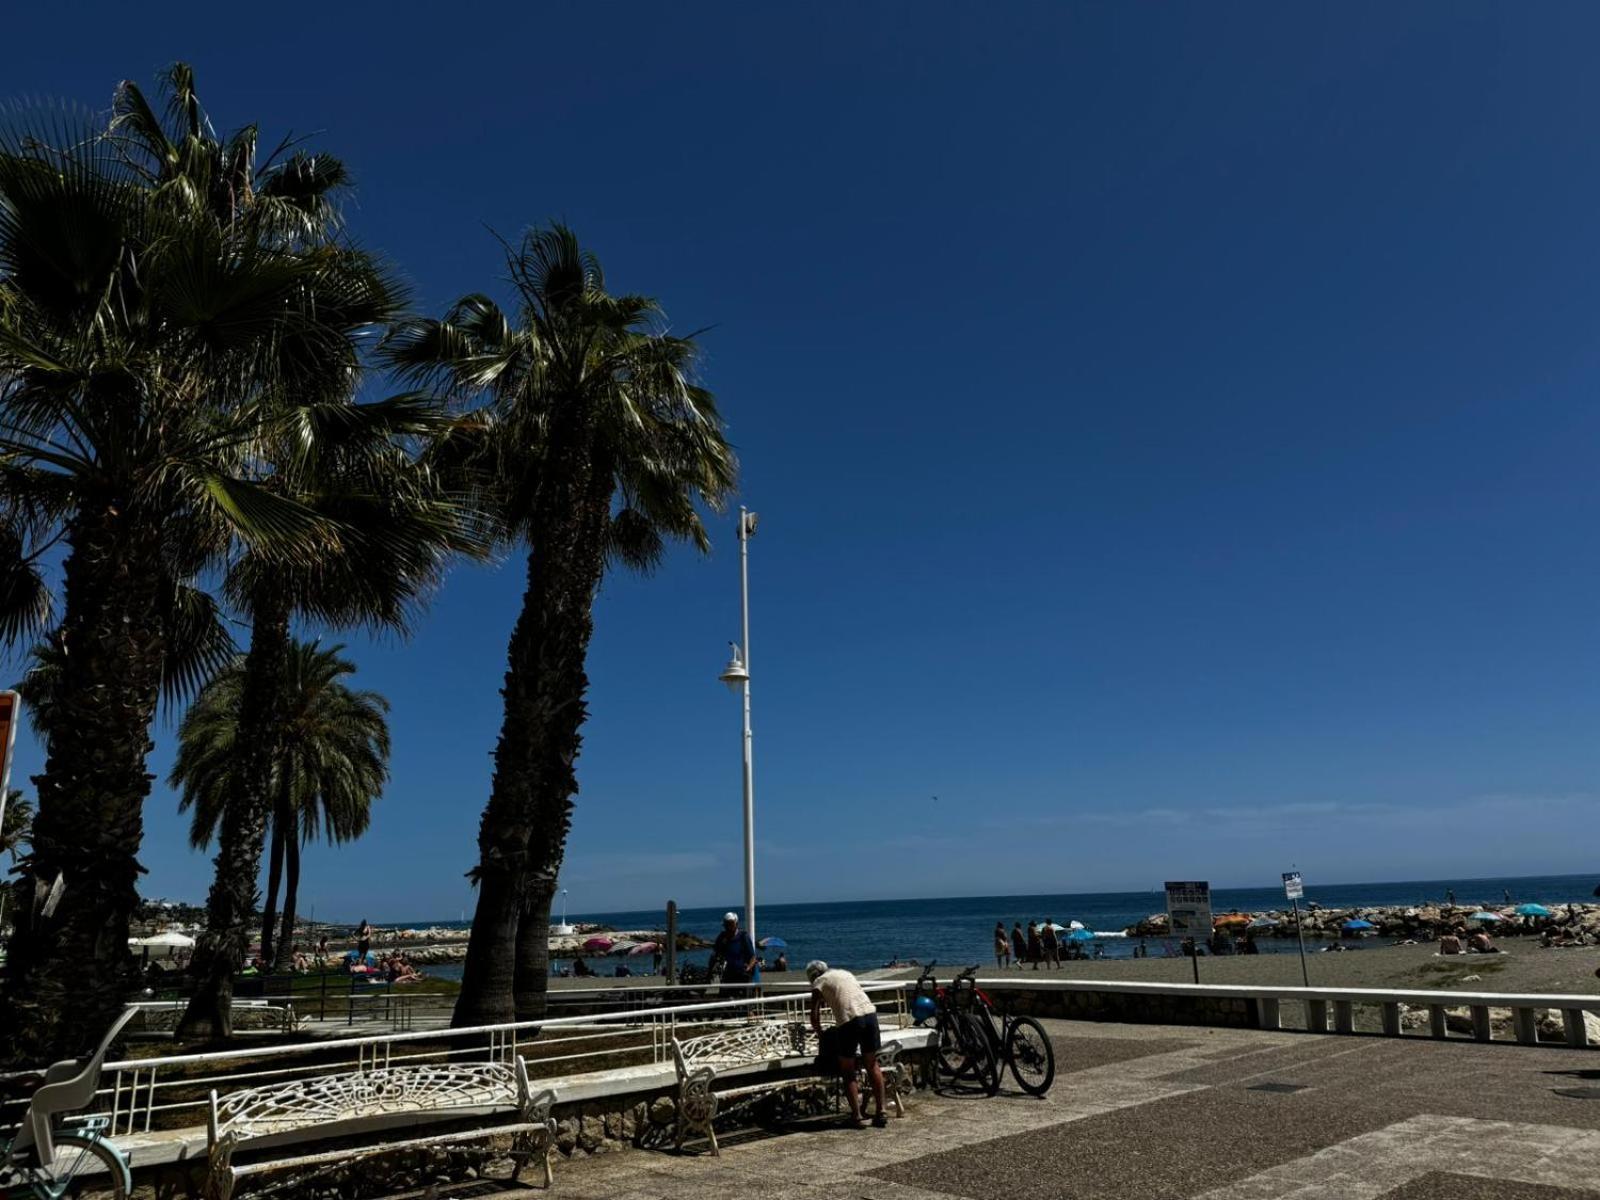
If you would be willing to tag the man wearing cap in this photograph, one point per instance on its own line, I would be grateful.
(854, 1033)
(734, 949)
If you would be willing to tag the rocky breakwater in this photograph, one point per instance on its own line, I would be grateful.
(1567, 924)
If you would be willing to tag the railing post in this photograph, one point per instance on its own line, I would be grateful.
(1343, 1017)
(1527, 1027)
(1438, 1021)
(322, 1010)
(1481, 1028)
(1317, 1016)
(1269, 1015)
(1391, 1019)
(150, 1098)
(1577, 1029)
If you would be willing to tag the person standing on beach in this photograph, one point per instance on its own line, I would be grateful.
(854, 1035)
(363, 940)
(1019, 945)
(1051, 943)
(734, 949)
(1002, 946)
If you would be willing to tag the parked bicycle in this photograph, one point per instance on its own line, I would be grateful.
(49, 1158)
(975, 1042)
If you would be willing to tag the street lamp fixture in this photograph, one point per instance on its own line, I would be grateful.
(737, 676)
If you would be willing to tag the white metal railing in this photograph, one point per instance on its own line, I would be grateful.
(141, 1090)
(1342, 1002)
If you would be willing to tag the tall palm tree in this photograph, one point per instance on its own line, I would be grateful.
(593, 440)
(146, 348)
(333, 762)
(343, 461)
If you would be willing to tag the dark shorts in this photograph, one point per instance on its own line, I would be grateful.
(856, 1037)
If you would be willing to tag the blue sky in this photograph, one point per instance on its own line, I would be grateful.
(1173, 428)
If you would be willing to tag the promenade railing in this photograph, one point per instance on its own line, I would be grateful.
(171, 1091)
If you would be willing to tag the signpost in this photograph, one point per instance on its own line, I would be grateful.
(1189, 915)
(1293, 888)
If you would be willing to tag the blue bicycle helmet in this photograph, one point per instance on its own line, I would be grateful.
(924, 1009)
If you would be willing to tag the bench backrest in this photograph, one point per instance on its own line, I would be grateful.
(354, 1095)
(738, 1047)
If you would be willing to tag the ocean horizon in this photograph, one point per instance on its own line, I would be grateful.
(862, 934)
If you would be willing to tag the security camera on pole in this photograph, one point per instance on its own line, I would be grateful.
(737, 676)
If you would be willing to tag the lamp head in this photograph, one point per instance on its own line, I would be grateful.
(735, 674)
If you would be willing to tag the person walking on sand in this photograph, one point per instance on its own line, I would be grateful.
(854, 1035)
(1051, 943)
(363, 940)
(1019, 945)
(1035, 947)
(1002, 946)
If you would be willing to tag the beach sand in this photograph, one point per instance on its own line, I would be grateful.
(1525, 967)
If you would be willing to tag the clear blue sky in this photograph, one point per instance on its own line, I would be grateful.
(1174, 427)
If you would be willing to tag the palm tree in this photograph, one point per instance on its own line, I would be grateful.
(333, 761)
(346, 462)
(147, 344)
(592, 441)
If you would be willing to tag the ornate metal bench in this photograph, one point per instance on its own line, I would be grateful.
(701, 1060)
(267, 1125)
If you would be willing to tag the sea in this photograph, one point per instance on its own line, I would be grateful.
(863, 934)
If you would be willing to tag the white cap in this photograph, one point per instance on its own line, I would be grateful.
(814, 968)
(734, 917)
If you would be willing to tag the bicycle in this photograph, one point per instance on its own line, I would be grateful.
(47, 1158)
(1019, 1043)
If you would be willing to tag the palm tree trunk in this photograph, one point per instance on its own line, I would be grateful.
(269, 907)
(548, 641)
(291, 893)
(563, 691)
(231, 904)
(530, 983)
(67, 967)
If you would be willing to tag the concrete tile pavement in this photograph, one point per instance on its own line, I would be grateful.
(1159, 1116)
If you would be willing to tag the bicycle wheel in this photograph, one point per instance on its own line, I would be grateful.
(96, 1169)
(978, 1039)
(1031, 1056)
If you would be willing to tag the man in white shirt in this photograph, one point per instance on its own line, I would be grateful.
(854, 1033)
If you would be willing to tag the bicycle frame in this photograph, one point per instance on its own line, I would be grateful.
(41, 1183)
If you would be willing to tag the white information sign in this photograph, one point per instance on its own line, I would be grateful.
(1293, 887)
(1189, 909)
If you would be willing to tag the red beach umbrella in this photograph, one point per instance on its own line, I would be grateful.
(601, 944)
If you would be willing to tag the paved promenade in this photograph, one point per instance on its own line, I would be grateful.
(1150, 1113)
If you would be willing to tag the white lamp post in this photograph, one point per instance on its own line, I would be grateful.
(737, 676)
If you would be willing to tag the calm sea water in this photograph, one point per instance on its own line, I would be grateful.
(868, 933)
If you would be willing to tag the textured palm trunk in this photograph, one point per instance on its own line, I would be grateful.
(291, 894)
(530, 980)
(67, 972)
(269, 906)
(550, 636)
(564, 707)
(231, 905)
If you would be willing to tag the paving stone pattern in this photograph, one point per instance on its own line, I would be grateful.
(1142, 1116)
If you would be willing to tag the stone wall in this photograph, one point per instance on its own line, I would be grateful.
(1138, 1008)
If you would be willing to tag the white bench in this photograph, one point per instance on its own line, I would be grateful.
(740, 1052)
(266, 1125)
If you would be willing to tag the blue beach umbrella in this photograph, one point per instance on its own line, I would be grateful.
(1532, 910)
(773, 943)
(1080, 935)
(1358, 923)
(1485, 916)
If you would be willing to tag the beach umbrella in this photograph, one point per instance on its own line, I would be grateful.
(1080, 935)
(645, 948)
(622, 946)
(177, 941)
(1053, 925)
(1485, 916)
(773, 943)
(1263, 923)
(601, 944)
(1231, 919)
(1357, 923)
(1074, 924)
(1532, 910)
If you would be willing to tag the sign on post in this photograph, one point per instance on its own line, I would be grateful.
(1189, 909)
(1293, 887)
